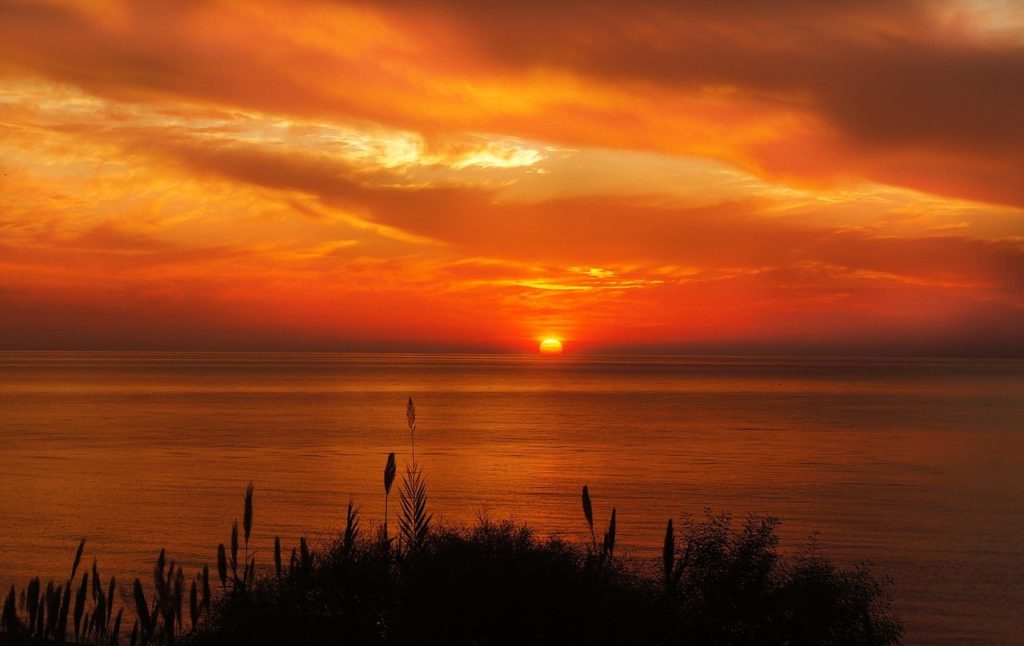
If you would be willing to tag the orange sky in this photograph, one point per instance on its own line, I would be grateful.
(776, 176)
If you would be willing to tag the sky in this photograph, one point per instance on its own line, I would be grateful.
(786, 176)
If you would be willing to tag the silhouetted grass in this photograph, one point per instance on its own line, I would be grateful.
(490, 583)
(718, 582)
(498, 583)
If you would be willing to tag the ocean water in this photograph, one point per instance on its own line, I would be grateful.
(913, 465)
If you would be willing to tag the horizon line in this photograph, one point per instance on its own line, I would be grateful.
(611, 353)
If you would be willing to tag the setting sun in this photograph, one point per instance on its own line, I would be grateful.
(551, 346)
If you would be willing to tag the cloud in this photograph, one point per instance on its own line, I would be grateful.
(573, 230)
(401, 175)
(917, 94)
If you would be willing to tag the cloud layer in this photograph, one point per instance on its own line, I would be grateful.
(825, 176)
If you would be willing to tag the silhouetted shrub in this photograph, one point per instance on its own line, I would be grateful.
(497, 583)
(735, 588)
(492, 583)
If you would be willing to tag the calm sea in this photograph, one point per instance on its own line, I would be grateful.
(916, 466)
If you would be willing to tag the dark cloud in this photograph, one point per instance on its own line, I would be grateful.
(897, 92)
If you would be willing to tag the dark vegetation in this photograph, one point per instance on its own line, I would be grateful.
(718, 582)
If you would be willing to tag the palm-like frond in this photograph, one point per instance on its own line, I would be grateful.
(414, 522)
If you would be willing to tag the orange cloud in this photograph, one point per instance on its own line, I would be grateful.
(862, 89)
(343, 175)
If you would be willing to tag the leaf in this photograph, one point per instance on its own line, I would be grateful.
(414, 522)
(80, 603)
(65, 607)
(53, 598)
(10, 616)
(78, 559)
(32, 602)
(110, 601)
(193, 603)
(141, 609)
(115, 634)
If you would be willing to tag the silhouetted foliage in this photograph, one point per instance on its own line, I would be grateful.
(728, 585)
(492, 583)
(497, 583)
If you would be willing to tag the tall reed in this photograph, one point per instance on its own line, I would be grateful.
(601, 559)
(414, 523)
(247, 528)
(410, 416)
(277, 556)
(673, 568)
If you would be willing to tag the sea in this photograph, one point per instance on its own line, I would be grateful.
(914, 467)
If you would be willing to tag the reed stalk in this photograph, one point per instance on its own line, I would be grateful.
(247, 529)
(277, 556)
(410, 416)
(389, 479)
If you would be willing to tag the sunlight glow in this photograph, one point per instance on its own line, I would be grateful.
(551, 346)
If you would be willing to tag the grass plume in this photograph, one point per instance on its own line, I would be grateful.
(588, 514)
(247, 515)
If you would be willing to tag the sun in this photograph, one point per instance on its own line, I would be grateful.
(551, 346)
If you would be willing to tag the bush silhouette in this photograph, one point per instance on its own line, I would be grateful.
(489, 583)
(497, 583)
